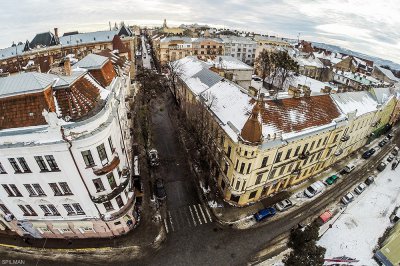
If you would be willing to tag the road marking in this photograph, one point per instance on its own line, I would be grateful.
(170, 221)
(198, 216)
(191, 213)
(204, 217)
(166, 225)
(208, 213)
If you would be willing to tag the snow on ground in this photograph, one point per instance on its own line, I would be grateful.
(355, 232)
(276, 260)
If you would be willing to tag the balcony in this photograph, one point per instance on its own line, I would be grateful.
(116, 191)
(121, 212)
(345, 138)
(107, 167)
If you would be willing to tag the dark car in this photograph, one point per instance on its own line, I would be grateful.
(368, 153)
(153, 157)
(159, 189)
(381, 166)
(265, 213)
(389, 136)
(382, 143)
(369, 180)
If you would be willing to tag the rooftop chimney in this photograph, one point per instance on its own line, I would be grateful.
(67, 67)
(56, 32)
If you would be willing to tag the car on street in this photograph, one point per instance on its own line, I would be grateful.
(332, 179)
(264, 213)
(390, 158)
(314, 189)
(153, 157)
(349, 197)
(368, 153)
(389, 136)
(350, 167)
(383, 142)
(369, 180)
(159, 189)
(395, 164)
(395, 151)
(360, 188)
(381, 166)
(283, 205)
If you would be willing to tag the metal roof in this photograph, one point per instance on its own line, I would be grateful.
(208, 77)
(11, 51)
(25, 82)
(89, 37)
(92, 61)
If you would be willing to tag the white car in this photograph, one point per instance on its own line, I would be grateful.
(360, 188)
(349, 197)
(314, 189)
(283, 205)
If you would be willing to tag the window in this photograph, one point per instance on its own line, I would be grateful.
(2, 170)
(252, 194)
(98, 184)
(69, 209)
(248, 168)
(288, 154)
(53, 210)
(41, 163)
(319, 142)
(278, 157)
(325, 140)
(111, 180)
(273, 173)
(78, 208)
(237, 185)
(102, 153)
(31, 191)
(24, 210)
(119, 201)
(312, 158)
(305, 148)
(226, 168)
(88, 158)
(111, 144)
(108, 206)
(45, 210)
(296, 152)
(8, 190)
(282, 170)
(264, 162)
(14, 165)
(335, 138)
(27, 210)
(16, 191)
(237, 163)
(65, 188)
(242, 168)
(52, 162)
(24, 165)
(258, 180)
(312, 145)
(56, 189)
(4, 209)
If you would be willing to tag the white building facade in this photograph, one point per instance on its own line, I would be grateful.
(241, 48)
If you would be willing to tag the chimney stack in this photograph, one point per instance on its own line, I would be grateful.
(67, 67)
(56, 32)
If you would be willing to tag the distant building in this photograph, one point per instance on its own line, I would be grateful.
(385, 75)
(241, 48)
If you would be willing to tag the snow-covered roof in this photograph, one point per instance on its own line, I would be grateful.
(382, 95)
(92, 61)
(357, 77)
(360, 102)
(177, 38)
(308, 61)
(229, 62)
(11, 51)
(88, 37)
(315, 85)
(388, 73)
(25, 83)
(237, 39)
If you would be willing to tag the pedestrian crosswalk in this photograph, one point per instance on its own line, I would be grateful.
(185, 217)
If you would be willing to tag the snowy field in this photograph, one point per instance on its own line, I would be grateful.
(356, 230)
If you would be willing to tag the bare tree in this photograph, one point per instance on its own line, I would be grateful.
(285, 68)
(264, 63)
(175, 72)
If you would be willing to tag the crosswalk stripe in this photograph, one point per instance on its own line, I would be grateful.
(170, 221)
(191, 213)
(194, 207)
(202, 213)
(166, 225)
(208, 213)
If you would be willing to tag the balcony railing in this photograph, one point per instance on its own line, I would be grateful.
(121, 212)
(108, 167)
(116, 191)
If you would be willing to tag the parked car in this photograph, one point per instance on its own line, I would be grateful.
(389, 136)
(360, 188)
(395, 151)
(153, 157)
(395, 164)
(284, 205)
(383, 142)
(368, 153)
(332, 179)
(381, 166)
(369, 180)
(159, 189)
(390, 158)
(349, 197)
(265, 213)
(350, 167)
(314, 189)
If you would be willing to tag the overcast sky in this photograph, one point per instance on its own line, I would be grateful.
(366, 26)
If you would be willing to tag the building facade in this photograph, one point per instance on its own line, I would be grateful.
(65, 152)
(241, 48)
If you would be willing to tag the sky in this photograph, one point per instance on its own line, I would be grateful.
(367, 26)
